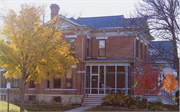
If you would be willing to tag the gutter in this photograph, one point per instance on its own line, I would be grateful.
(82, 63)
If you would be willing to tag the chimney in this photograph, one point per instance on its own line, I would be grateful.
(54, 10)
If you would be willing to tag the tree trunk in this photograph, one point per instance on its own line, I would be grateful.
(22, 90)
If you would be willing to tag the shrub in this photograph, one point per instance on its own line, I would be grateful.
(157, 105)
(114, 100)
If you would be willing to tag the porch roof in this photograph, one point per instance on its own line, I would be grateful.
(109, 60)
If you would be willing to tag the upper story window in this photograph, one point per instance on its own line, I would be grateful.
(15, 82)
(72, 43)
(88, 46)
(141, 50)
(137, 48)
(31, 84)
(102, 47)
(145, 49)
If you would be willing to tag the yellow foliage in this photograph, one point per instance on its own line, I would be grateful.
(36, 50)
(170, 83)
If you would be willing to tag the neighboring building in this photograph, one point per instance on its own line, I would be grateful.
(109, 53)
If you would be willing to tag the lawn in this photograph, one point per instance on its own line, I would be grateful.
(16, 108)
(168, 107)
(12, 107)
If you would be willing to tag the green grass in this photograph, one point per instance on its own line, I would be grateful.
(12, 107)
(16, 108)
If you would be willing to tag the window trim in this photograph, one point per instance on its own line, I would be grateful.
(104, 49)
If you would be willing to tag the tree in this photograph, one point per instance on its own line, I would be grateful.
(35, 50)
(147, 82)
(163, 18)
(170, 82)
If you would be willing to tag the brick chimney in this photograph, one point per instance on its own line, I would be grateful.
(54, 10)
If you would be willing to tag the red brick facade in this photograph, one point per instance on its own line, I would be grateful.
(117, 47)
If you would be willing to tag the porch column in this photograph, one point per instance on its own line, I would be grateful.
(126, 80)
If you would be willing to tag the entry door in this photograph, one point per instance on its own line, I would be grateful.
(94, 88)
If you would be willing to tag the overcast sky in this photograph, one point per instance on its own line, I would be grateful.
(82, 8)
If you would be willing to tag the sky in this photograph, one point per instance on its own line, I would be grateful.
(79, 8)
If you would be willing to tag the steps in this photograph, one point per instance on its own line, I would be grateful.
(93, 100)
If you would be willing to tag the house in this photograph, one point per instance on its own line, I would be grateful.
(110, 49)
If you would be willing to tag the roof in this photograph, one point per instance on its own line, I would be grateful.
(108, 21)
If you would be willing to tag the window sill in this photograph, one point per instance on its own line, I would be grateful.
(9, 89)
(101, 57)
(31, 88)
(62, 89)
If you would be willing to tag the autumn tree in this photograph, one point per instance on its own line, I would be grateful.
(163, 19)
(147, 82)
(170, 82)
(35, 50)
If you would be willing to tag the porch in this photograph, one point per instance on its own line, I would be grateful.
(107, 78)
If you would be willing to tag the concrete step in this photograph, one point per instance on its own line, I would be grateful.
(93, 100)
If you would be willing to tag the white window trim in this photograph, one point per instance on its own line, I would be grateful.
(31, 88)
(102, 37)
(137, 38)
(71, 36)
(63, 89)
(101, 57)
(142, 41)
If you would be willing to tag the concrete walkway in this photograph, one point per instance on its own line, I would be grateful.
(78, 109)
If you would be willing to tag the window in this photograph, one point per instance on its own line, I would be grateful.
(137, 48)
(101, 52)
(57, 99)
(48, 83)
(2, 81)
(94, 69)
(15, 82)
(31, 84)
(145, 49)
(72, 43)
(88, 47)
(57, 82)
(3, 97)
(141, 50)
(69, 79)
(32, 97)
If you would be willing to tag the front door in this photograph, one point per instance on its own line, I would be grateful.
(94, 88)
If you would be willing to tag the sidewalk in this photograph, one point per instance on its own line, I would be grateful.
(78, 109)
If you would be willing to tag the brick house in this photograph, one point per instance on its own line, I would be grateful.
(108, 54)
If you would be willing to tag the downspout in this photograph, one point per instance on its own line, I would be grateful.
(82, 63)
(134, 57)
